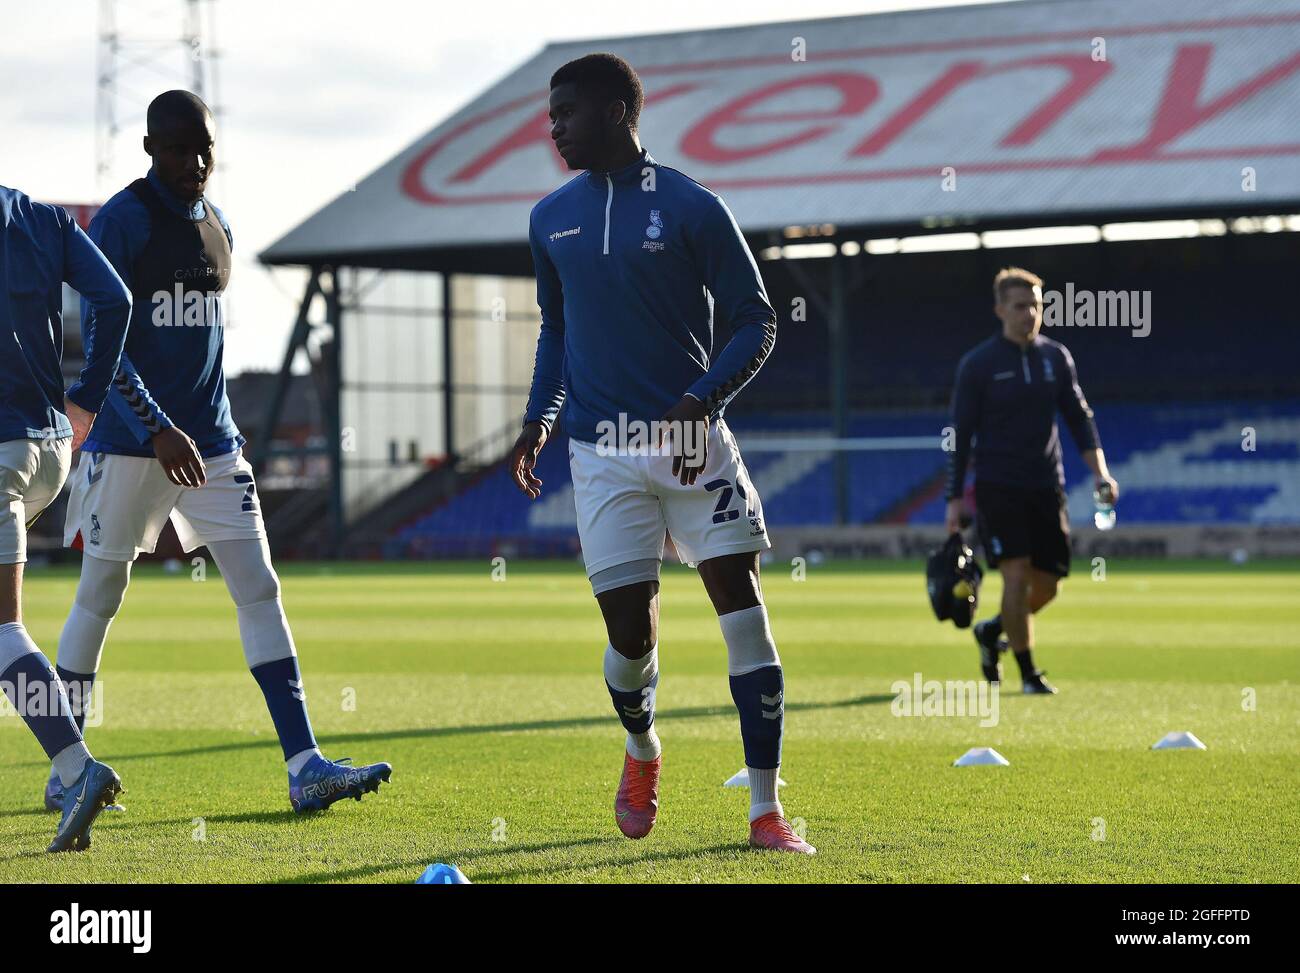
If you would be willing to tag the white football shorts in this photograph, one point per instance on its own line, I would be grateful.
(625, 503)
(119, 505)
(32, 472)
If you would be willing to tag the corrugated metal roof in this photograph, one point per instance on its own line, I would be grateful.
(1040, 109)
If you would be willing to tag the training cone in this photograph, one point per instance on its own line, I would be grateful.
(981, 757)
(441, 874)
(1178, 740)
(741, 779)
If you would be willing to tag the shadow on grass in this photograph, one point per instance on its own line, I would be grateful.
(456, 857)
(657, 856)
(34, 811)
(467, 858)
(685, 713)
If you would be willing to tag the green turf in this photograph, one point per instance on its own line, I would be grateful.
(487, 699)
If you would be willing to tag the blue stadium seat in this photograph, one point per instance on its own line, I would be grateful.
(1176, 463)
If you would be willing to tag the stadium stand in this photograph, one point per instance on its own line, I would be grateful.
(1179, 463)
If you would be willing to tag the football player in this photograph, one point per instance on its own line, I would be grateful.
(627, 255)
(168, 448)
(1008, 392)
(41, 248)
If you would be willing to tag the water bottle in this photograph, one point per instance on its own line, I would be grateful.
(1104, 516)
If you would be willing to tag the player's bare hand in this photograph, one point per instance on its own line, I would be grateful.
(180, 458)
(953, 516)
(1107, 489)
(81, 422)
(523, 458)
(686, 427)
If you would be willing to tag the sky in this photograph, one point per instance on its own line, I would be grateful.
(313, 96)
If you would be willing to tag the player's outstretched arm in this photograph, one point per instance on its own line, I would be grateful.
(547, 392)
(103, 332)
(739, 297)
(1083, 428)
(128, 397)
(523, 458)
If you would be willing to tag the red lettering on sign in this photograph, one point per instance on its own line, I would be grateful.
(1083, 74)
(533, 131)
(857, 92)
(1180, 111)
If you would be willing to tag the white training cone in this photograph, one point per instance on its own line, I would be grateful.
(981, 757)
(741, 779)
(1184, 740)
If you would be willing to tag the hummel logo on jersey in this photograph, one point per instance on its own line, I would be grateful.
(561, 233)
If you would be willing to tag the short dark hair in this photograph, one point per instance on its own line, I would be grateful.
(175, 106)
(611, 75)
(1009, 277)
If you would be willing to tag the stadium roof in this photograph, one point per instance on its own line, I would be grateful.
(1045, 110)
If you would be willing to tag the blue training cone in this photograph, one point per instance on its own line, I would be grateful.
(441, 874)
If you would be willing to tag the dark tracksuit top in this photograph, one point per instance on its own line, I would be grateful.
(624, 280)
(1007, 399)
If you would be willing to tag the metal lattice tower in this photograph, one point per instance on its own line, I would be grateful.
(146, 47)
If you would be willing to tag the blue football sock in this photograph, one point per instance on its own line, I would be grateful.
(37, 694)
(759, 696)
(78, 686)
(636, 709)
(632, 684)
(281, 684)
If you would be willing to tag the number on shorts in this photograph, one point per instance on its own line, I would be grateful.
(250, 494)
(721, 513)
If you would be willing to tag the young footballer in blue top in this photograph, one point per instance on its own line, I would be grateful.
(632, 259)
(168, 448)
(41, 248)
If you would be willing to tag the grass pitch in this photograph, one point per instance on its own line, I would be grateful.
(487, 698)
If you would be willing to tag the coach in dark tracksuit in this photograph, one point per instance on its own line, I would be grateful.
(1008, 391)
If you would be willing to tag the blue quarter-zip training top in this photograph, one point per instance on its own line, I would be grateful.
(173, 374)
(41, 248)
(626, 262)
